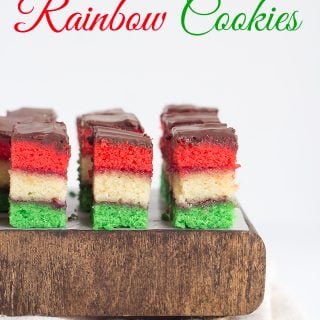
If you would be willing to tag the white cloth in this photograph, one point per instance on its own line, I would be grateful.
(277, 305)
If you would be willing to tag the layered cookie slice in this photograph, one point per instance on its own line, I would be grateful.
(113, 118)
(199, 173)
(40, 155)
(6, 126)
(7, 123)
(179, 115)
(101, 112)
(122, 162)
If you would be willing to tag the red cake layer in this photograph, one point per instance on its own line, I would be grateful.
(4, 148)
(122, 157)
(41, 158)
(188, 157)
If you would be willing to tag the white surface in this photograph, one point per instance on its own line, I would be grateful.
(294, 248)
(266, 83)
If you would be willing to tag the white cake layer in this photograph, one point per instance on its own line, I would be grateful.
(122, 188)
(197, 187)
(25, 186)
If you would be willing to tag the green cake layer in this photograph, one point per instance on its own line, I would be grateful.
(166, 195)
(85, 198)
(214, 216)
(25, 215)
(164, 187)
(109, 216)
(4, 200)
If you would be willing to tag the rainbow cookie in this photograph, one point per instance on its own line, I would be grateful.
(113, 118)
(40, 154)
(6, 126)
(198, 179)
(175, 115)
(122, 171)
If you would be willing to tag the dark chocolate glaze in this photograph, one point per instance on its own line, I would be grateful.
(185, 108)
(122, 120)
(43, 132)
(118, 136)
(177, 119)
(102, 112)
(38, 114)
(7, 124)
(211, 132)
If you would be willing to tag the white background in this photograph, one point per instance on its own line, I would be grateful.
(265, 83)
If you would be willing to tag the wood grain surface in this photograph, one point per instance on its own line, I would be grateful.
(131, 273)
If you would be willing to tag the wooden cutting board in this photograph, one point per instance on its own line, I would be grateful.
(159, 272)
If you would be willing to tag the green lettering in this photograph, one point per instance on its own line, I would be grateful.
(239, 25)
(268, 25)
(259, 20)
(220, 25)
(282, 18)
(188, 7)
(256, 18)
(296, 25)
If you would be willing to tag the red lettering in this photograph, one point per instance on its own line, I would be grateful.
(131, 25)
(70, 24)
(45, 13)
(153, 24)
(88, 21)
(114, 16)
(102, 19)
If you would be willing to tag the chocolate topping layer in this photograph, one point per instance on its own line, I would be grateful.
(211, 132)
(43, 132)
(123, 120)
(7, 124)
(38, 114)
(185, 108)
(178, 119)
(118, 136)
(102, 112)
